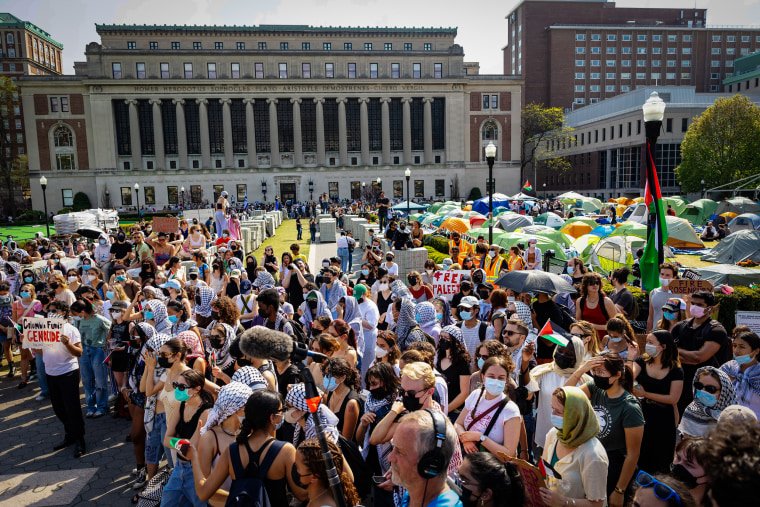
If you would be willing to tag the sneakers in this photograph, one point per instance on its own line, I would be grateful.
(89, 414)
(41, 397)
(142, 479)
(22, 384)
(80, 449)
(98, 414)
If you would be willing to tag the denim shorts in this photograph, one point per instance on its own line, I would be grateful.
(154, 445)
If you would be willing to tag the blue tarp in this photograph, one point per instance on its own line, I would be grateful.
(481, 205)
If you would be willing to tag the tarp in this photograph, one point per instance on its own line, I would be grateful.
(413, 206)
(729, 274)
(481, 205)
(738, 205)
(549, 219)
(745, 221)
(602, 230)
(510, 222)
(699, 211)
(736, 247)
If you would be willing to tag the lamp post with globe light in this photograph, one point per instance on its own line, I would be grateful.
(408, 175)
(490, 157)
(137, 200)
(43, 184)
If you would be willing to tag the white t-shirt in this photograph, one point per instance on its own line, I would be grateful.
(471, 338)
(510, 411)
(58, 360)
(658, 297)
(342, 242)
(392, 269)
(250, 302)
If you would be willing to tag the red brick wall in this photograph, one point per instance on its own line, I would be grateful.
(505, 123)
(40, 104)
(43, 145)
(506, 138)
(475, 102)
(475, 123)
(77, 103)
(42, 140)
(505, 100)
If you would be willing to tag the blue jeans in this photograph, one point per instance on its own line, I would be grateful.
(94, 378)
(154, 442)
(180, 490)
(41, 377)
(344, 258)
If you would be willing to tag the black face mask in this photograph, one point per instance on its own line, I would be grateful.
(215, 314)
(680, 473)
(312, 304)
(198, 301)
(443, 345)
(297, 477)
(412, 280)
(601, 382)
(163, 362)
(217, 344)
(251, 265)
(263, 313)
(378, 393)
(468, 499)
(564, 362)
(411, 403)
(243, 362)
(477, 278)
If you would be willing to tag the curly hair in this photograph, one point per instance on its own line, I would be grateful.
(494, 348)
(586, 281)
(312, 457)
(459, 354)
(228, 310)
(385, 373)
(339, 367)
(394, 353)
(426, 349)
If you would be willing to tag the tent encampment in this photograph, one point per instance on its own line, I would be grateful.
(617, 251)
(481, 205)
(736, 247)
(745, 221)
(729, 274)
(549, 219)
(699, 211)
(738, 205)
(511, 221)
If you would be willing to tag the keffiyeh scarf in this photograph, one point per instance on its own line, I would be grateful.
(296, 397)
(746, 383)
(251, 377)
(222, 356)
(698, 419)
(207, 296)
(232, 398)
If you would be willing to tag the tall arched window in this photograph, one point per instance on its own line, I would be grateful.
(490, 131)
(63, 147)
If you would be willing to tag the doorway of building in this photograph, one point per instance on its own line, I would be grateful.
(287, 192)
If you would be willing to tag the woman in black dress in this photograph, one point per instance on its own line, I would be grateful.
(659, 382)
(453, 362)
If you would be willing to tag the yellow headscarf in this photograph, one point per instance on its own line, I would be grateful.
(579, 422)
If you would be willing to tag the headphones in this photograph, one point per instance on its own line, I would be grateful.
(432, 464)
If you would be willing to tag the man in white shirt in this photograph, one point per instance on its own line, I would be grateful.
(343, 253)
(370, 317)
(62, 370)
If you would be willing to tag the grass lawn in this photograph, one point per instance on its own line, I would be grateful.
(286, 235)
(25, 232)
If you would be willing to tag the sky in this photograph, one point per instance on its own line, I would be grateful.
(482, 27)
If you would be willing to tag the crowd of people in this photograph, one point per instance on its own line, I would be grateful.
(425, 399)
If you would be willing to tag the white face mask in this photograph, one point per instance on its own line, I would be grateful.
(91, 278)
(116, 315)
(380, 353)
(383, 286)
(72, 279)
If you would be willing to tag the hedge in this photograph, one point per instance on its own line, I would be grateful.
(435, 255)
(438, 243)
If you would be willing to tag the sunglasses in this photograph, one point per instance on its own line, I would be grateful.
(165, 356)
(661, 490)
(699, 386)
(593, 282)
(412, 392)
(481, 356)
(512, 333)
(181, 387)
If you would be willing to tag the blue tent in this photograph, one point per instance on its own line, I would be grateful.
(603, 230)
(481, 205)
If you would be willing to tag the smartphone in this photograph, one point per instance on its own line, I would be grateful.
(379, 479)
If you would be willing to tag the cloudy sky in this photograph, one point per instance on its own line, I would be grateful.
(481, 23)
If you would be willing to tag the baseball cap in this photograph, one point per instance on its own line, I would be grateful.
(192, 270)
(469, 301)
(235, 273)
(532, 240)
(360, 290)
(245, 286)
(673, 305)
(171, 284)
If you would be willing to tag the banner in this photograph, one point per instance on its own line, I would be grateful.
(532, 480)
(747, 318)
(685, 286)
(446, 283)
(41, 333)
(165, 224)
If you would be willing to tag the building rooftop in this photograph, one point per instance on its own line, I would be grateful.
(280, 29)
(745, 68)
(8, 20)
(674, 96)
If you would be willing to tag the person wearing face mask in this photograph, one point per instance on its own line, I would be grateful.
(119, 252)
(313, 307)
(621, 421)
(493, 263)
(620, 339)
(218, 345)
(744, 370)
(532, 255)
(390, 266)
(473, 330)
(118, 342)
(27, 306)
(689, 467)
(332, 289)
(386, 350)
(545, 378)
(659, 296)
(701, 340)
(101, 255)
(383, 297)
(7, 332)
(182, 422)
(340, 382)
(659, 382)
(94, 330)
(487, 482)
(419, 291)
(673, 312)
(575, 460)
(712, 392)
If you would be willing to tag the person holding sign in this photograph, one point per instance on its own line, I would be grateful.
(62, 370)
(27, 306)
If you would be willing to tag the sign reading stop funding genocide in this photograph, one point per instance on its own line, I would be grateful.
(446, 283)
(41, 333)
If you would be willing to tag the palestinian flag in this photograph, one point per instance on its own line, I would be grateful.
(555, 334)
(527, 187)
(657, 227)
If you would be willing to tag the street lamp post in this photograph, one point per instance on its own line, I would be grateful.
(43, 184)
(451, 191)
(311, 190)
(408, 175)
(108, 198)
(376, 192)
(182, 198)
(490, 157)
(544, 191)
(654, 112)
(137, 194)
(264, 190)
(703, 189)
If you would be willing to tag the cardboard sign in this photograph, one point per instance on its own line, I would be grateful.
(446, 283)
(747, 318)
(684, 286)
(691, 275)
(41, 333)
(532, 480)
(165, 224)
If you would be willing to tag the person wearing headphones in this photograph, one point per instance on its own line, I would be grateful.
(423, 446)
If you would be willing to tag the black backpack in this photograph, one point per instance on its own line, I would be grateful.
(362, 472)
(299, 334)
(483, 327)
(248, 487)
(568, 319)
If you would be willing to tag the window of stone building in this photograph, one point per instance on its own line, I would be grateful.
(240, 46)
(367, 46)
(164, 66)
(351, 71)
(172, 195)
(440, 188)
(395, 114)
(306, 70)
(308, 125)
(356, 190)
(416, 70)
(438, 116)
(153, 45)
(242, 191)
(193, 127)
(116, 70)
(427, 46)
(53, 105)
(188, 67)
(373, 73)
(140, 70)
(145, 124)
(175, 45)
(215, 126)
(262, 46)
(398, 189)
(395, 70)
(67, 195)
(258, 70)
(196, 194)
(235, 70)
(126, 196)
(283, 70)
(388, 46)
(306, 46)
(347, 46)
(261, 126)
(211, 70)
(437, 70)
(131, 45)
(419, 188)
(375, 126)
(284, 46)
(332, 190)
(197, 45)
(150, 195)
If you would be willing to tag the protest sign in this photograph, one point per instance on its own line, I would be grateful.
(446, 283)
(751, 319)
(532, 479)
(41, 333)
(691, 275)
(165, 224)
(684, 286)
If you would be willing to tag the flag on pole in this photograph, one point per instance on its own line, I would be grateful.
(555, 334)
(527, 187)
(657, 227)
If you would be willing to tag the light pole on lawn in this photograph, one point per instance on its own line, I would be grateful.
(654, 112)
(703, 188)
(137, 200)
(182, 198)
(408, 175)
(43, 184)
(311, 190)
(490, 157)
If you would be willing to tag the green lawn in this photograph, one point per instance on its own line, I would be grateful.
(25, 232)
(285, 236)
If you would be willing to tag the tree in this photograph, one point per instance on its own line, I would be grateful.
(14, 171)
(81, 202)
(540, 126)
(721, 145)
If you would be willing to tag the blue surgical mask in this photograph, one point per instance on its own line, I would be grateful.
(148, 315)
(616, 339)
(329, 383)
(439, 317)
(365, 272)
(28, 279)
(465, 315)
(494, 386)
(173, 319)
(746, 358)
(86, 267)
(25, 295)
(557, 421)
(669, 315)
(110, 294)
(651, 350)
(121, 278)
(481, 362)
(705, 398)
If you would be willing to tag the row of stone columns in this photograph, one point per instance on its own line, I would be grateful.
(275, 160)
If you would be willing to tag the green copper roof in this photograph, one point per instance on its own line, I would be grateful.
(100, 28)
(8, 20)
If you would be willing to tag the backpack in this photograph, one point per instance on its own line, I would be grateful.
(299, 334)
(362, 473)
(481, 330)
(568, 319)
(248, 487)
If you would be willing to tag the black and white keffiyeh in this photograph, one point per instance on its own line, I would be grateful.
(251, 377)
(232, 398)
(296, 397)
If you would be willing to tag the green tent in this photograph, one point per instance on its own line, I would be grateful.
(438, 205)
(630, 228)
(699, 211)
(585, 220)
(677, 202)
(549, 219)
(547, 232)
(510, 239)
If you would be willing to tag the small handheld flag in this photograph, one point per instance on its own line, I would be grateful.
(555, 334)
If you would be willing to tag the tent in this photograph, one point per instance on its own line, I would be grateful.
(745, 221)
(522, 197)
(584, 244)
(736, 247)
(459, 225)
(677, 202)
(438, 205)
(699, 211)
(738, 205)
(576, 229)
(547, 232)
(681, 234)
(413, 206)
(636, 213)
(631, 228)
(574, 196)
(729, 274)
(510, 239)
(603, 230)
(549, 219)
(617, 251)
(434, 221)
(481, 205)
(511, 221)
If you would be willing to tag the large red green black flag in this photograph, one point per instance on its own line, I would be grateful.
(657, 227)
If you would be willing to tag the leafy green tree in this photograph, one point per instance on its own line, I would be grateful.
(14, 173)
(81, 202)
(542, 125)
(721, 145)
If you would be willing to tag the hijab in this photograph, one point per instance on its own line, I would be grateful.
(580, 353)
(222, 355)
(446, 319)
(321, 310)
(160, 317)
(195, 349)
(405, 321)
(698, 419)
(746, 383)
(207, 295)
(425, 316)
(580, 423)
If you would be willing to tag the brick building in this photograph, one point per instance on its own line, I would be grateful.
(289, 108)
(25, 50)
(573, 53)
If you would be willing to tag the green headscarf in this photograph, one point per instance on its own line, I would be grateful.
(579, 422)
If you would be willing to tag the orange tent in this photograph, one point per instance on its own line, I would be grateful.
(728, 215)
(459, 225)
(576, 229)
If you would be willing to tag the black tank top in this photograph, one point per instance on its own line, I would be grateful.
(186, 429)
